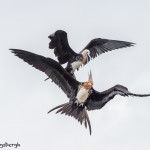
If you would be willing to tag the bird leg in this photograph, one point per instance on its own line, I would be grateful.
(79, 103)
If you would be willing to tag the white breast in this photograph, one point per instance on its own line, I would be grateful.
(76, 65)
(82, 95)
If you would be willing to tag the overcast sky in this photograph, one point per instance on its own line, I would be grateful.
(25, 99)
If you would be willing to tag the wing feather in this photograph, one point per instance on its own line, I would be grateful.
(62, 49)
(51, 68)
(99, 46)
(98, 99)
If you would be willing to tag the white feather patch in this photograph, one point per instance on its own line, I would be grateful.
(82, 95)
(76, 65)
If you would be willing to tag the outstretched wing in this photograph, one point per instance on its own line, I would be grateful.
(99, 46)
(51, 68)
(62, 50)
(98, 99)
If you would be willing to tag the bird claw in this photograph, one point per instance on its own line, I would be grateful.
(79, 104)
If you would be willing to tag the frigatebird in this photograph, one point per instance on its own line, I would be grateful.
(64, 53)
(82, 96)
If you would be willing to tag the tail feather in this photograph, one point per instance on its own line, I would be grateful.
(65, 109)
(68, 110)
(88, 121)
(56, 107)
(84, 116)
(78, 112)
(60, 110)
(75, 113)
(80, 118)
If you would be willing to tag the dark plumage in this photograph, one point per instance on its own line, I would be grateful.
(82, 96)
(64, 53)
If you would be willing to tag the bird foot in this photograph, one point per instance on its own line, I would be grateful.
(79, 104)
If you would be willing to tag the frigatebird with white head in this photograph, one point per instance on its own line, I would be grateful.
(82, 96)
(64, 53)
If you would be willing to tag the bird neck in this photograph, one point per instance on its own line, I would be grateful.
(88, 85)
(84, 57)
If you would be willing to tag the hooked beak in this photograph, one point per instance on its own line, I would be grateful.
(90, 76)
(51, 36)
(88, 57)
(52, 43)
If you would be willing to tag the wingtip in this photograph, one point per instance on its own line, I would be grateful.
(138, 95)
(12, 50)
(129, 44)
(132, 44)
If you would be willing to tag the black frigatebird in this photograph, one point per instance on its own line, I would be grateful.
(64, 53)
(82, 96)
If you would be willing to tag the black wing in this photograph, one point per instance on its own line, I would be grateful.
(62, 50)
(98, 99)
(51, 68)
(99, 46)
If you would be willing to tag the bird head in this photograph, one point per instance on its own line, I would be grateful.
(88, 85)
(86, 55)
(56, 38)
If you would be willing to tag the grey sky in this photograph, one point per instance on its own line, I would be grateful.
(25, 98)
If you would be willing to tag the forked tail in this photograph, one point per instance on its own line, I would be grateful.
(78, 112)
